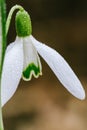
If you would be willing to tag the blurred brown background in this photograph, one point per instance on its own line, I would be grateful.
(43, 103)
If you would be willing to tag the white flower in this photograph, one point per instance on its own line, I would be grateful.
(22, 60)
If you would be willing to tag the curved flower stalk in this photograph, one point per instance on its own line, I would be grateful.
(22, 60)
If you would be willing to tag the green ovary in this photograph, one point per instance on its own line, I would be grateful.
(23, 24)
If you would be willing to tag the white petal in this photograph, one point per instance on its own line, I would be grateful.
(12, 70)
(32, 65)
(61, 69)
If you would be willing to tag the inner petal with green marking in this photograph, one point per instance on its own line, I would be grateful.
(32, 64)
(32, 69)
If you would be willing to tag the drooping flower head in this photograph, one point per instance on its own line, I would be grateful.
(22, 60)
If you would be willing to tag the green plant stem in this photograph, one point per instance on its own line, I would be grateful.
(10, 16)
(2, 48)
(1, 121)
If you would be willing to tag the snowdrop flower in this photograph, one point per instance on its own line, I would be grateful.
(22, 60)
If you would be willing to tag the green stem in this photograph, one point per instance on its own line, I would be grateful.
(2, 48)
(1, 121)
(10, 15)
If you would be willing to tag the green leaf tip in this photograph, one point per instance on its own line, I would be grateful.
(23, 24)
(32, 69)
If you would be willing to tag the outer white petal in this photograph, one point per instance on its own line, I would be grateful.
(12, 70)
(61, 69)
